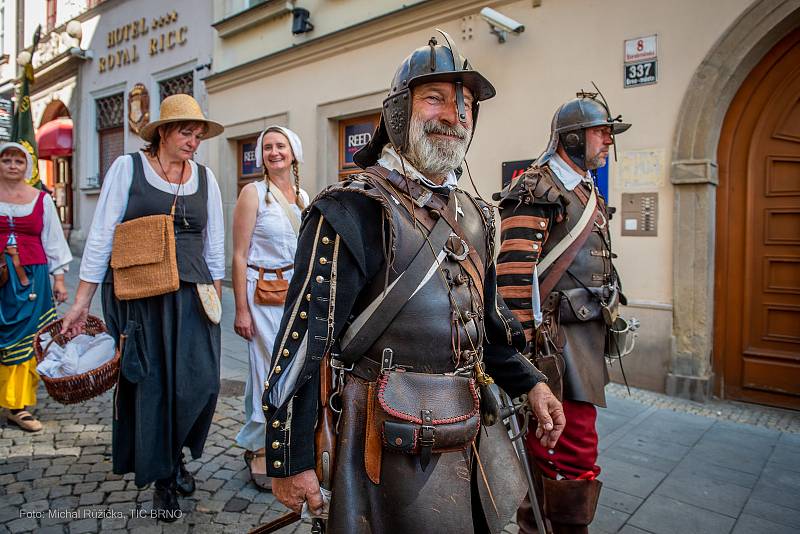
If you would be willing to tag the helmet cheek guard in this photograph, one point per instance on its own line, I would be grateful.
(427, 64)
(574, 144)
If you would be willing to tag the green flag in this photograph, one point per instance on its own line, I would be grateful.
(22, 129)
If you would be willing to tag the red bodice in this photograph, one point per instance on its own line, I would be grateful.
(28, 233)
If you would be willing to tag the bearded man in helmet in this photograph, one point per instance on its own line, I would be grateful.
(395, 285)
(556, 274)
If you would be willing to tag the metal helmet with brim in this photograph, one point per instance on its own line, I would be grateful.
(570, 122)
(432, 63)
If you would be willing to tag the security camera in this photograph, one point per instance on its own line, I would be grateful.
(501, 24)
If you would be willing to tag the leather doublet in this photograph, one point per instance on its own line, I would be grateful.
(537, 212)
(421, 336)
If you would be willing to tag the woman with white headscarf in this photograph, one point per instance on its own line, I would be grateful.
(32, 247)
(266, 222)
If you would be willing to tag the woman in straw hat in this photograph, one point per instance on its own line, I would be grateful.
(265, 226)
(169, 374)
(32, 247)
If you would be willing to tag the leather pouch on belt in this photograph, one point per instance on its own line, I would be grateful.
(372, 447)
(578, 305)
(552, 365)
(436, 413)
(270, 292)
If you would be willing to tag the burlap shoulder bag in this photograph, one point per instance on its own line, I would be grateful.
(143, 257)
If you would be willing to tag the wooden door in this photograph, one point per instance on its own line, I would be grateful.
(757, 303)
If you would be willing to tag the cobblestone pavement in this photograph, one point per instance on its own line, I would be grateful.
(60, 479)
(669, 466)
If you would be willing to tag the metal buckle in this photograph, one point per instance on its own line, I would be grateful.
(457, 257)
(339, 365)
(386, 360)
(423, 199)
(427, 432)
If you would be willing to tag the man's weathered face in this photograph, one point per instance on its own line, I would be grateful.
(598, 139)
(437, 140)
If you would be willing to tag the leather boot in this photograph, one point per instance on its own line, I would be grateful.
(184, 481)
(570, 504)
(165, 501)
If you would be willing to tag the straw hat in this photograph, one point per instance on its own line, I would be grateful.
(178, 108)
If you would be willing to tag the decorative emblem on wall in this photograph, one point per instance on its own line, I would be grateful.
(138, 108)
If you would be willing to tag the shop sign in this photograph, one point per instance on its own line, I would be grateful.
(6, 118)
(356, 136)
(123, 41)
(513, 169)
(641, 62)
(248, 163)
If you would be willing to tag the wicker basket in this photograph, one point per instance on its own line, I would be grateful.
(82, 387)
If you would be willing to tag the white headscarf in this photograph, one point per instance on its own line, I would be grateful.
(294, 142)
(28, 158)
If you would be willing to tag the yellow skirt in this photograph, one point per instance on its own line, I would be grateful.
(18, 385)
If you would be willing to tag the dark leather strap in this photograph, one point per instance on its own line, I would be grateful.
(557, 270)
(277, 272)
(423, 197)
(273, 271)
(427, 437)
(397, 297)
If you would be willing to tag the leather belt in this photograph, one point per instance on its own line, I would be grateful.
(273, 271)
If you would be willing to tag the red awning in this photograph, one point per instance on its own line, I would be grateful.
(55, 138)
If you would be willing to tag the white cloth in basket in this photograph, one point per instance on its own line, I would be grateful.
(80, 355)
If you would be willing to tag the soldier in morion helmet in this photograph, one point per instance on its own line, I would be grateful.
(555, 272)
(403, 462)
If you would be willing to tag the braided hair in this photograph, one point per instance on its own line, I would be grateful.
(295, 171)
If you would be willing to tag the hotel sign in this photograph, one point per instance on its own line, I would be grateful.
(125, 42)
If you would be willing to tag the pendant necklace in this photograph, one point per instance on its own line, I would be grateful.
(178, 190)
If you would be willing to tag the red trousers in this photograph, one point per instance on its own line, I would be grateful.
(575, 454)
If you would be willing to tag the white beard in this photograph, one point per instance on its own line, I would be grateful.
(435, 156)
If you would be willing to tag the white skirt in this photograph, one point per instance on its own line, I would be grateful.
(266, 320)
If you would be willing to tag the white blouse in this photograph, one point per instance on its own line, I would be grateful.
(274, 242)
(53, 241)
(111, 208)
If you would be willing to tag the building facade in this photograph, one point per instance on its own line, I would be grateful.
(55, 93)
(141, 52)
(708, 239)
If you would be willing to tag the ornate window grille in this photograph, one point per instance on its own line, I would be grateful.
(110, 131)
(181, 84)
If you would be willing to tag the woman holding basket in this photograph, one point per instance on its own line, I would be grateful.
(265, 226)
(156, 246)
(32, 247)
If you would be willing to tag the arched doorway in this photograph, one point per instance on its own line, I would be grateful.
(696, 368)
(54, 139)
(757, 320)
